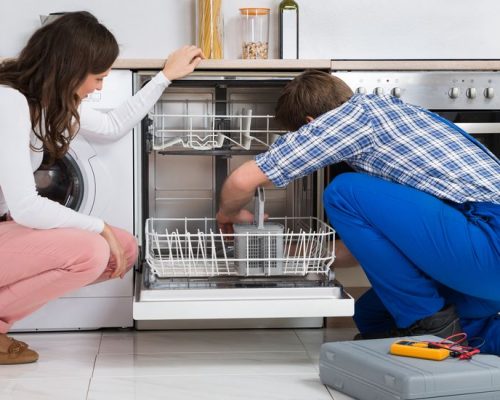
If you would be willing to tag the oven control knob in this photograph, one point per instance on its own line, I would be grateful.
(378, 91)
(454, 92)
(396, 92)
(489, 93)
(471, 93)
(361, 90)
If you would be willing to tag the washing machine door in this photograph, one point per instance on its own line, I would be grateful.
(71, 180)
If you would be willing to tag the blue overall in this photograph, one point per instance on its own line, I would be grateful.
(419, 253)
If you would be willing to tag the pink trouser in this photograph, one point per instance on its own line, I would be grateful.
(37, 266)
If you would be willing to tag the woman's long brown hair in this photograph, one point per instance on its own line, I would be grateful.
(54, 63)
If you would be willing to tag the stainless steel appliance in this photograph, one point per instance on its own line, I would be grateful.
(470, 99)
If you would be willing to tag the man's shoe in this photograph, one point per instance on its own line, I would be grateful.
(18, 353)
(444, 323)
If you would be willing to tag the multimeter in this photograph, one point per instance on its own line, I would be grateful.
(409, 348)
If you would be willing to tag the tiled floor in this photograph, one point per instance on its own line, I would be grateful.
(177, 365)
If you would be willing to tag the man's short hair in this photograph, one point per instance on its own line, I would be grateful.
(312, 93)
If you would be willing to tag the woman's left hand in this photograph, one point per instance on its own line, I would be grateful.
(182, 62)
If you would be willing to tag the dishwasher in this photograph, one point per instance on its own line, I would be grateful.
(272, 274)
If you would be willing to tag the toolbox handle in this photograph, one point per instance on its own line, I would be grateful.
(258, 216)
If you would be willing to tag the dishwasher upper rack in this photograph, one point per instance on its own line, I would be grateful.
(196, 248)
(209, 132)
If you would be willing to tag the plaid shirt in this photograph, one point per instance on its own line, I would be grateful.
(382, 136)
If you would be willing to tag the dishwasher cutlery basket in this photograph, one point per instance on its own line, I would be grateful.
(259, 246)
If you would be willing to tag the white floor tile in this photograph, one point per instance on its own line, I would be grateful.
(64, 355)
(200, 341)
(127, 365)
(226, 387)
(312, 339)
(211, 365)
(51, 366)
(62, 342)
(44, 389)
(339, 396)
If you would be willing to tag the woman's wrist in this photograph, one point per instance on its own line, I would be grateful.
(105, 230)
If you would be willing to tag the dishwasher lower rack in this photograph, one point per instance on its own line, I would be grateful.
(194, 247)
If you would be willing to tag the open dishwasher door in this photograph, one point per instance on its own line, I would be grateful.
(202, 128)
(194, 271)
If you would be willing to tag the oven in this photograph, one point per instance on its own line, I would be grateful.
(470, 99)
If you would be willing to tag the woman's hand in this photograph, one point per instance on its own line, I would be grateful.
(117, 252)
(182, 62)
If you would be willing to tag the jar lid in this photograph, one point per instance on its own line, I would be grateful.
(255, 11)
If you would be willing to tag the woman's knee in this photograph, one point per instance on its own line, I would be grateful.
(90, 253)
(131, 251)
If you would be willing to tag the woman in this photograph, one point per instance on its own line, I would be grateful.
(47, 249)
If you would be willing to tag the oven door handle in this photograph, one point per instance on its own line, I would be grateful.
(476, 128)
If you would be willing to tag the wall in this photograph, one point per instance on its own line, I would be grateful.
(342, 29)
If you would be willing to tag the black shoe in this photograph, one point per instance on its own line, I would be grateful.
(444, 323)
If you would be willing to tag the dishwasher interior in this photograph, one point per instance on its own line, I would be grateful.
(201, 129)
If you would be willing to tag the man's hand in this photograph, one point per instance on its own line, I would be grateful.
(236, 192)
(225, 223)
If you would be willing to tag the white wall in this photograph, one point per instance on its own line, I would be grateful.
(146, 28)
(406, 29)
(342, 29)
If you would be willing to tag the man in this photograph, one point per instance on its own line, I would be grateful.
(421, 214)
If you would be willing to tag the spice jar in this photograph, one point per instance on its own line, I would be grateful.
(209, 27)
(255, 31)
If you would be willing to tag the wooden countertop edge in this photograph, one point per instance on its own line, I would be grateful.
(229, 64)
(336, 65)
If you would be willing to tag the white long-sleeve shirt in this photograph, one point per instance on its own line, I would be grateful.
(18, 193)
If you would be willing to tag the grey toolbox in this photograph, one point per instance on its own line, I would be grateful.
(366, 371)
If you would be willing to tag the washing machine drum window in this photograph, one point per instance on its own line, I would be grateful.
(61, 182)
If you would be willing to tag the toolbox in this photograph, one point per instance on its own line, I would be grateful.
(365, 370)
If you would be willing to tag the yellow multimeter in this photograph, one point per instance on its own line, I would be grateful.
(409, 348)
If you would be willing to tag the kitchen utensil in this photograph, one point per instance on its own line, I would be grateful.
(259, 246)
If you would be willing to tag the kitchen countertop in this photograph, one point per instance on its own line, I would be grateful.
(336, 65)
(230, 64)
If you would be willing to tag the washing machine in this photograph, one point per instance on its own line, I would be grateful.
(96, 179)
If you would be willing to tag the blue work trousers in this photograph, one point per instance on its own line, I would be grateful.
(419, 253)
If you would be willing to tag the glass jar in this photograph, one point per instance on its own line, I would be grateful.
(209, 28)
(255, 31)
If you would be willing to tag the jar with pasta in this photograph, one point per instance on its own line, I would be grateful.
(209, 28)
(255, 32)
